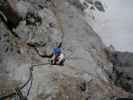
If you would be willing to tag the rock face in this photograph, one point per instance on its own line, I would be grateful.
(9, 9)
(122, 70)
(45, 25)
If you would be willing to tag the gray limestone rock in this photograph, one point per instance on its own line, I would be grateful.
(83, 75)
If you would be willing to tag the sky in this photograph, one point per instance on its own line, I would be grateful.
(115, 26)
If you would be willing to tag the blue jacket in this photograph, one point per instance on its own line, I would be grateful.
(56, 51)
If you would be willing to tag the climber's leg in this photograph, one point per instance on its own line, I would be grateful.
(62, 62)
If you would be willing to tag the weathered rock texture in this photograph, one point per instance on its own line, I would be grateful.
(44, 25)
(122, 70)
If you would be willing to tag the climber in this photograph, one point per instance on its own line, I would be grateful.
(57, 57)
